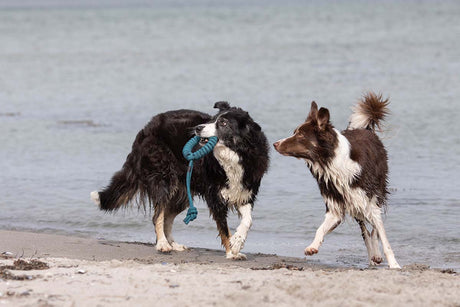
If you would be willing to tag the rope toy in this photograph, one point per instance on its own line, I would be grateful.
(191, 156)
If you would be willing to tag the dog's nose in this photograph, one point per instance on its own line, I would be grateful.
(276, 144)
(199, 128)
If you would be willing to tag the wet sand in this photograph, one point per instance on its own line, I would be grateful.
(90, 272)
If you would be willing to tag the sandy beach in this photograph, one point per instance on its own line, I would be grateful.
(73, 271)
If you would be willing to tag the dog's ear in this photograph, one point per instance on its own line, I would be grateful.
(221, 105)
(323, 118)
(248, 123)
(252, 125)
(313, 111)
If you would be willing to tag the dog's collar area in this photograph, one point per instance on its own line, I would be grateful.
(200, 153)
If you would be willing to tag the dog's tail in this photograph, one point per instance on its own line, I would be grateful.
(369, 113)
(122, 189)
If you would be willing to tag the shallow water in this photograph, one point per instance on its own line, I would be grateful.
(78, 81)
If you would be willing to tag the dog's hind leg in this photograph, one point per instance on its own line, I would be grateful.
(170, 215)
(239, 237)
(377, 223)
(331, 221)
(371, 242)
(377, 256)
(159, 222)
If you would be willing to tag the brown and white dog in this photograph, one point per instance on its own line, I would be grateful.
(351, 169)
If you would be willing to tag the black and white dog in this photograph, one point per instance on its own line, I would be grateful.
(351, 170)
(155, 171)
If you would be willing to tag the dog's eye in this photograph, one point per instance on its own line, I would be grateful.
(223, 123)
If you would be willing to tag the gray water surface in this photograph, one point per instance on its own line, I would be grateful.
(77, 82)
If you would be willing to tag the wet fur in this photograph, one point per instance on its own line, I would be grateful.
(155, 170)
(350, 168)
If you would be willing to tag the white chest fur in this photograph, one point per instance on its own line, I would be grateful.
(341, 172)
(235, 193)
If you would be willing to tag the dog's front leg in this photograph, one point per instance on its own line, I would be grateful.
(239, 237)
(219, 213)
(331, 221)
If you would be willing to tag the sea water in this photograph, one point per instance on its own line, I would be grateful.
(78, 81)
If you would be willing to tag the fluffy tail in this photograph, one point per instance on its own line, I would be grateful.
(122, 189)
(369, 112)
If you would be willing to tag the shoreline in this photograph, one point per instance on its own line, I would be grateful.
(41, 245)
(87, 272)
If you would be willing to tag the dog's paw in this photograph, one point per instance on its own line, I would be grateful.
(237, 243)
(178, 247)
(394, 265)
(238, 256)
(376, 260)
(163, 246)
(310, 250)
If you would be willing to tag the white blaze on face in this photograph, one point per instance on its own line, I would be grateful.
(209, 130)
(281, 141)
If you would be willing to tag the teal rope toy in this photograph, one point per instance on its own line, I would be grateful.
(191, 156)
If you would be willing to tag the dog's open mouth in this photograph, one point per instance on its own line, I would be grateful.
(203, 141)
